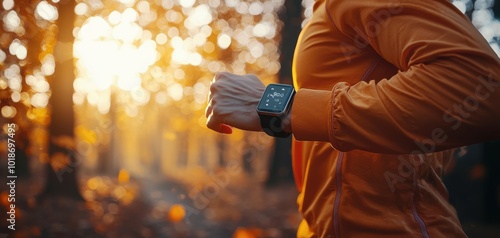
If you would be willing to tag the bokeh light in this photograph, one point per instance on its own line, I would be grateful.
(46, 11)
(151, 62)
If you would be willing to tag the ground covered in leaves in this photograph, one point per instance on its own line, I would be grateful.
(213, 206)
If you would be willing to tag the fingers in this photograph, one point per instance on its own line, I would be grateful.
(214, 121)
(213, 124)
(220, 75)
(211, 93)
(225, 129)
(211, 121)
(209, 108)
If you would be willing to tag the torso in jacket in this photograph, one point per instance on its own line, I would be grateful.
(357, 193)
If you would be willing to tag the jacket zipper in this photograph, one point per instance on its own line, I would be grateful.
(338, 194)
(370, 69)
(416, 216)
(338, 168)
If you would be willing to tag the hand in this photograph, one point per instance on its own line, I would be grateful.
(232, 102)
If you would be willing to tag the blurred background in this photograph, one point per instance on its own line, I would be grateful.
(107, 100)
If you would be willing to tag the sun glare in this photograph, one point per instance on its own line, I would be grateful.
(118, 49)
(132, 52)
(109, 54)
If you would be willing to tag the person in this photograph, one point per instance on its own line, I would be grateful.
(385, 90)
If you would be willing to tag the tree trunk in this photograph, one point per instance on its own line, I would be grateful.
(63, 163)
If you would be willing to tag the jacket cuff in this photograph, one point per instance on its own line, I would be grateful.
(311, 115)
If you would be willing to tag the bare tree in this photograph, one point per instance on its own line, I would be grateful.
(63, 164)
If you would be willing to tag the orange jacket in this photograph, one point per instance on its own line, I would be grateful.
(385, 90)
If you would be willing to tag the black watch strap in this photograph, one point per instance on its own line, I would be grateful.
(272, 125)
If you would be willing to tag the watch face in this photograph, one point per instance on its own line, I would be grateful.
(276, 98)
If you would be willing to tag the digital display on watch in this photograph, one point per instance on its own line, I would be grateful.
(276, 98)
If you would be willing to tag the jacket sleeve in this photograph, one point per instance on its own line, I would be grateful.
(445, 95)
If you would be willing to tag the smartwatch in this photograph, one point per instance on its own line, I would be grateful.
(273, 107)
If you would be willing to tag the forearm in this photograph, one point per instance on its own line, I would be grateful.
(445, 94)
(412, 112)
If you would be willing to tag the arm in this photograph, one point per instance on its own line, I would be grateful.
(446, 94)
